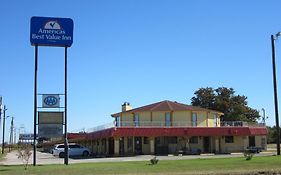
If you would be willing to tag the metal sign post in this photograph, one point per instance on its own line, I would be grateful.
(65, 109)
(48, 31)
(35, 105)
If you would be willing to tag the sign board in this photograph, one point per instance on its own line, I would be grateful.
(26, 136)
(48, 31)
(50, 101)
(50, 130)
(50, 124)
(50, 118)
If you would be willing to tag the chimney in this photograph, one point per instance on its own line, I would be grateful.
(126, 107)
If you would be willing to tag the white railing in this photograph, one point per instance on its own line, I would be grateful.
(186, 124)
(101, 127)
(170, 124)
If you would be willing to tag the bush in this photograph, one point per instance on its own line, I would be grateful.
(154, 161)
(248, 155)
(24, 153)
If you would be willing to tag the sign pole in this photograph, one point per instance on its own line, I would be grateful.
(35, 105)
(65, 109)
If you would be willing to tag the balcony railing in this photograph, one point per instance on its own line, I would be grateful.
(186, 124)
(172, 124)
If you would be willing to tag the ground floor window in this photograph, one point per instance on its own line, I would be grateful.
(172, 140)
(229, 139)
(145, 140)
(193, 140)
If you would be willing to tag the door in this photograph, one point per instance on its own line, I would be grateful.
(252, 141)
(138, 145)
(206, 144)
(111, 146)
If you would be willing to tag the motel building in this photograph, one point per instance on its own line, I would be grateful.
(169, 127)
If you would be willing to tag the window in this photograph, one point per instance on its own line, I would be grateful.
(215, 120)
(145, 140)
(172, 140)
(117, 120)
(136, 120)
(229, 139)
(61, 146)
(193, 140)
(194, 119)
(167, 119)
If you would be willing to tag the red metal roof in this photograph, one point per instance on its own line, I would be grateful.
(180, 132)
(165, 106)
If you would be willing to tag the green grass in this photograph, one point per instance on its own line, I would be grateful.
(197, 166)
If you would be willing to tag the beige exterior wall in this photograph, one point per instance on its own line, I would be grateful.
(127, 119)
(145, 147)
(261, 142)
(236, 146)
(144, 118)
(180, 117)
(159, 117)
(201, 119)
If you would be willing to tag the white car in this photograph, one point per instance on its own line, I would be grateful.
(73, 150)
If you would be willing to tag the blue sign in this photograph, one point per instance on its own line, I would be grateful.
(47, 31)
(50, 101)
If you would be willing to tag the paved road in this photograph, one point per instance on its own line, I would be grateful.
(46, 158)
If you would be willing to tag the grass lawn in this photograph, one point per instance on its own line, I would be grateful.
(197, 166)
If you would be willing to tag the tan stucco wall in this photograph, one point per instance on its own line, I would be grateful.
(145, 147)
(201, 119)
(236, 146)
(182, 118)
(159, 117)
(144, 118)
(127, 119)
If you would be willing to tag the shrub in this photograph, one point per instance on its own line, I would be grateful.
(24, 153)
(248, 155)
(154, 161)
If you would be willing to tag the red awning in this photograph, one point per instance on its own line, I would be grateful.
(166, 131)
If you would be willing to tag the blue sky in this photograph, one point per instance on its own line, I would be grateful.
(140, 51)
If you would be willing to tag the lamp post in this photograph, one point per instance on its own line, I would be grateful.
(4, 119)
(275, 90)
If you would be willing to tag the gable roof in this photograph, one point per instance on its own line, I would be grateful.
(166, 106)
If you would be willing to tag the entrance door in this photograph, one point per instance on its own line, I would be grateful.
(252, 141)
(138, 145)
(206, 144)
(111, 146)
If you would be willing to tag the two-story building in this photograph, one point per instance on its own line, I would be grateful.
(170, 127)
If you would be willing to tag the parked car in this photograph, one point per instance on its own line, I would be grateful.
(73, 150)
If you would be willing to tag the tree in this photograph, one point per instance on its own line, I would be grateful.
(234, 107)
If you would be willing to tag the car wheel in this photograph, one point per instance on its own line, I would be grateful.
(61, 155)
(85, 153)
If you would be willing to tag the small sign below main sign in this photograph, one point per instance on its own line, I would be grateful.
(50, 101)
(47, 31)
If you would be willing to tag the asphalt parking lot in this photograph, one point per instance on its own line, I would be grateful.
(47, 158)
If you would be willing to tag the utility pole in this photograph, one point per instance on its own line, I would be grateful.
(3, 139)
(0, 109)
(275, 92)
(11, 133)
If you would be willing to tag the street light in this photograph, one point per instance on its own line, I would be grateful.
(275, 90)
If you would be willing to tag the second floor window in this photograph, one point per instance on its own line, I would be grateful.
(117, 121)
(167, 119)
(194, 119)
(215, 120)
(136, 120)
